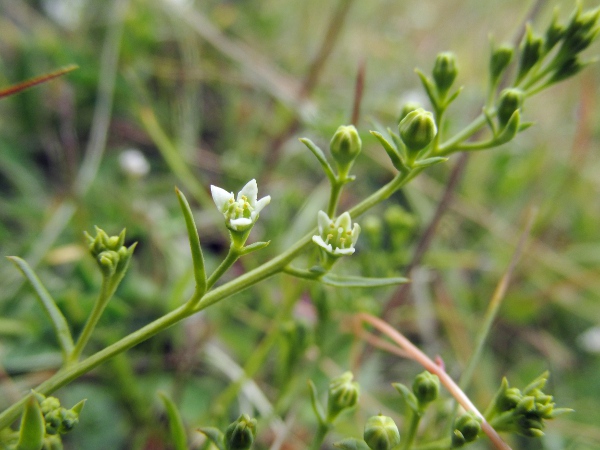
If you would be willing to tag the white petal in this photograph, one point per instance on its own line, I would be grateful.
(343, 251)
(321, 243)
(324, 222)
(240, 224)
(250, 191)
(355, 233)
(344, 221)
(262, 203)
(221, 197)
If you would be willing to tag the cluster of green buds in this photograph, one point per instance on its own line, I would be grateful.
(523, 411)
(336, 237)
(466, 429)
(43, 423)
(239, 435)
(240, 213)
(110, 253)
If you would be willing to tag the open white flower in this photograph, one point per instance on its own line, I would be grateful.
(239, 214)
(336, 238)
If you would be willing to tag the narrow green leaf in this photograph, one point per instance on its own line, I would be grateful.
(429, 88)
(361, 282)
(176, 426)
(33, 427)
(320, 156)
(351, 444)
(314, 400)
(391, 151)
(408, 397)
(215, 435)
(510, 130)
(59, 323)
(430, 161)
(197, 256)
(255, 246)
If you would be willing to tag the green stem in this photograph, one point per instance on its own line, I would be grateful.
(447, 147)
(320, 436)
(301, 273)
(230, 259)
(334, 197)
(442, 444)
(106, 292)
(412, 430)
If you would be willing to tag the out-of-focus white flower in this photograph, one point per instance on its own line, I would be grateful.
(589, 340)
(239, 214)
(134, 163)
(336, 237)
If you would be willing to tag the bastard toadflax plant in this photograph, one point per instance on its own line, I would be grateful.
(282, 321)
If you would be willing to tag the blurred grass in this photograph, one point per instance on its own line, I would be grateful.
(225, 83)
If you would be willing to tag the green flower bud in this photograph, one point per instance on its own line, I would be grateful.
(466, 429)
(49, 404)
(554, 33)
(108, 261)
(444, 72)
(580, 31)
(381, 433)
(510, 100)
(499, 61)
(407, 108)
(417, 130)
(343, 394)
(240, 434)
(426, 388)
(345, 146)
(531, 52)
(567, 69)
(53, 421)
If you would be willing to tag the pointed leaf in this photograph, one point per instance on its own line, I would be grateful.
(33, 427)
(176, 427)
(430, 161)
(429, 88)
(255, 246)
(194, 238)
(510, 130)
(398, 143)
(408, 397)
(320, 157)
(453, 96)
(215, 435)
(361, 282)
(391, 151)
(314, 400)
(59, 323)
(351, 444)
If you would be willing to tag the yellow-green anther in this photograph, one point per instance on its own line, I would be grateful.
(510, 100)
(444, 72)
(466, 429)
(240, 434)
(499, 61)
(417, 130)
(426, 388)
(381, 433)
(345, 146)
(343, 394)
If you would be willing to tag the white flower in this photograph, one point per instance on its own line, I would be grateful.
(239, 214)
(337, 238)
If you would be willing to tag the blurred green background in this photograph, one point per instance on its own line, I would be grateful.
(194, 93)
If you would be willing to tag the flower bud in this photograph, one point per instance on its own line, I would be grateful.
(510, 100)
(580, 31)
(345, 146)
(444, 72)
(417, 130)
(381, 433)
(407, 108)
(531, 52)
(343, 394)
(499, 61)
(554, 33)
(240, 434)
(466, 429)
(426, 387)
